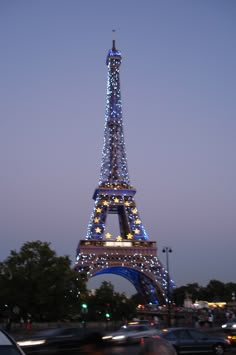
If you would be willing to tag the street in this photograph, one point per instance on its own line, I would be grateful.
(112, 349)
(134, 349)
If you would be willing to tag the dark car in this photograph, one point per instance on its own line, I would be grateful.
(54, 341)
(8, 346)
(230, 324)
(191, 340)
(229, 329)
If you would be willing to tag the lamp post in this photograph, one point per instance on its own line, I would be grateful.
(168, 250)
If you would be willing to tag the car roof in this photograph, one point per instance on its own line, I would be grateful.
(4, 339)
(7, 342)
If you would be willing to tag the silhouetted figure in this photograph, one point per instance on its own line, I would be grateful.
(8, 325)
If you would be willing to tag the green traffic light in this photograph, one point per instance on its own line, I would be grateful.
(107, 315)
(84, 305)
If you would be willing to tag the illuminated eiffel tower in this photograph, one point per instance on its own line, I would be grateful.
(130, 254)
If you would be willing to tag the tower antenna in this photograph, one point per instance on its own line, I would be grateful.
(113, 40)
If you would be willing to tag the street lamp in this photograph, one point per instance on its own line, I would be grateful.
(168, 250)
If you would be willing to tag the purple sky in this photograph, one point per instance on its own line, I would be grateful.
(178, 90)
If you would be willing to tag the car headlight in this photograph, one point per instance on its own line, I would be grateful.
(31, 342)
(234, 326)
(224, 326)
(118, 337)
(107, 337)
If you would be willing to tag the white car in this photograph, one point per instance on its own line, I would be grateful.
(130, 334)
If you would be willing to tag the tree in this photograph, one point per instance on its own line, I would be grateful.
(215, 291)
(107, 301)
(39, 283)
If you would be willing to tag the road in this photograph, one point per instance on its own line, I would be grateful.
(134, 349)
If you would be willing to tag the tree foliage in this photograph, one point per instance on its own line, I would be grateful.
(39, 283)
(107, 301)
(214, 291)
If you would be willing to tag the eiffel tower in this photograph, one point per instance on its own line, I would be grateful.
(130, 254)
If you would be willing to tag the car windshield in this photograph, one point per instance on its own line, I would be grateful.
(48, 332)
(135, 328)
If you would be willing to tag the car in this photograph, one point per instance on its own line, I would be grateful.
(230, 324)
(229, 329)
(59, 340)
(190, 340)
(143, 322)
(130, 334)
(139, 321)
(8, 346)
(231, 335)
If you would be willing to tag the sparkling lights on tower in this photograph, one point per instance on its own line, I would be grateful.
(129, 254)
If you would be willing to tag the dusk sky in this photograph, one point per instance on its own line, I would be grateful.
(178, 87)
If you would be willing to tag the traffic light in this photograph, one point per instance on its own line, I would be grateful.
(107, 316)
(84, 308)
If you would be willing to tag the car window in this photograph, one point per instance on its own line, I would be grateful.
(49, 332)
(142, 328)
(196, 335)
(70, 331)
(133, 328)
(130, 329)
(169, 336)
(182, 334)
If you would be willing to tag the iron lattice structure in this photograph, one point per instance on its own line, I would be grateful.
(130, 254)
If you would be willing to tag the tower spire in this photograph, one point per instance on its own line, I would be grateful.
(113, 40)
(114, 169)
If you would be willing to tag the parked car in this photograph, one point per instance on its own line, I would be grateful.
(130, 334)
(191, 340)
(55, 341)
(229, 329)
(8, 346)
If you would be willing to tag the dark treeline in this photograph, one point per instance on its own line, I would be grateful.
(37, 284)
(214, 291)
